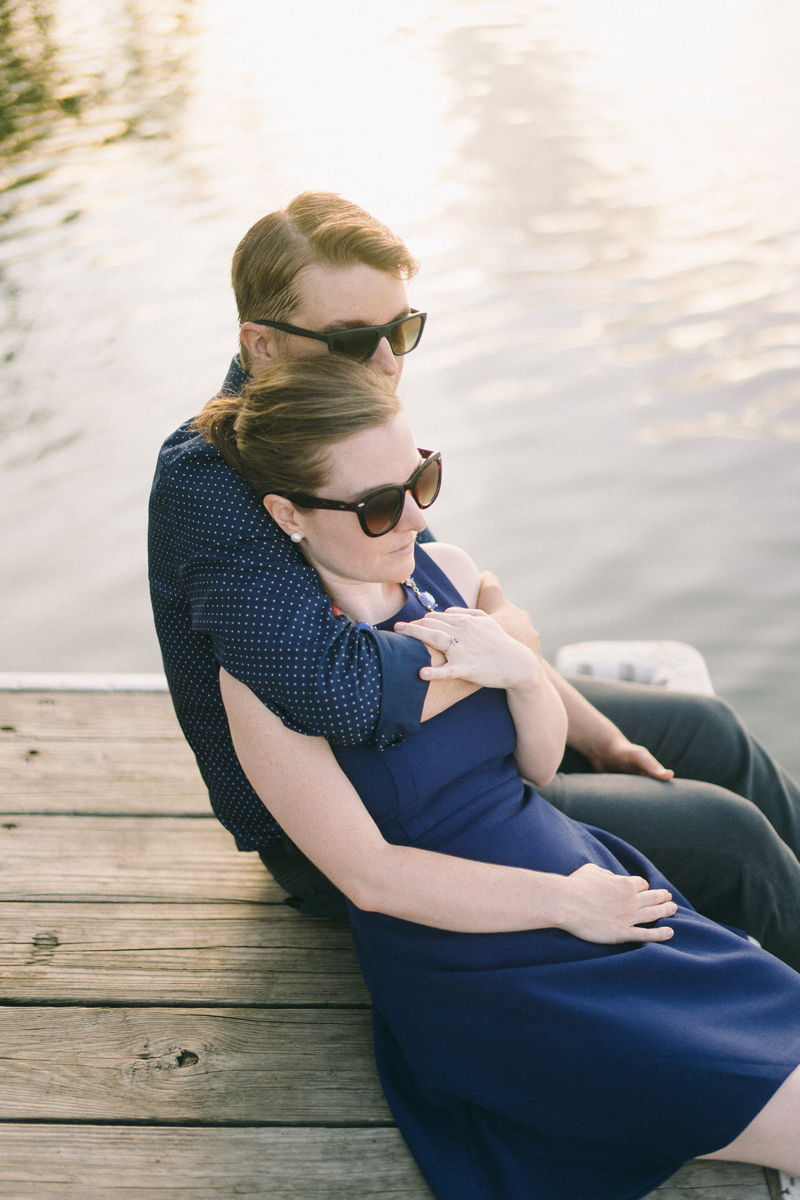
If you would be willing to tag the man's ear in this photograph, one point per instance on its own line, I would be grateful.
(283, 513)
(261, 344)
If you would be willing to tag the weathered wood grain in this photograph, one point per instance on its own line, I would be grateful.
(65, 776)
(699, 1173)
(156, 954)
(171, 858)
(112, 715)
(75, 1162)
(170, 1065)
(202, 928)
(83, 1162)
(715, 1181)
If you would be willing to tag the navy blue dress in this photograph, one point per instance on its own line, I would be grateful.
(533, 1064)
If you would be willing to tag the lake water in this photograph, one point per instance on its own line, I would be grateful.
(605, 198)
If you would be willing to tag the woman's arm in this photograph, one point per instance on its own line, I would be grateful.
(589, 731)
(537, 711)
(300, 781)
(479, 650)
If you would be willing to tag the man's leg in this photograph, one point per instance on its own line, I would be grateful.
(699, 737)
(309, 890)
(716, 848)
(704, 830)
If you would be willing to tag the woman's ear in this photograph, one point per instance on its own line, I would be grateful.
(283, 513)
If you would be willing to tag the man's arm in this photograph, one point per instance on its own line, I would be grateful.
(588, 732)
(269, 622)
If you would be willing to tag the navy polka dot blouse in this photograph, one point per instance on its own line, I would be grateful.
(229, 588)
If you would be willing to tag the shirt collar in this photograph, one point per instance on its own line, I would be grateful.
(236, 378)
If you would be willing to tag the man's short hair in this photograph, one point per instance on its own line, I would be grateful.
(316, 228)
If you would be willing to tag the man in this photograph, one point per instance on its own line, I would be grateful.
(230, 590)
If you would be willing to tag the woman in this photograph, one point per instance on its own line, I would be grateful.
(539, 1029)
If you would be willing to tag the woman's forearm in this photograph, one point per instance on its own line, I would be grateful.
(473, 897)
(589, 731)
(541, 726)
(456, 893)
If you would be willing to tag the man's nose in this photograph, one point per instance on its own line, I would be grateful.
(383, 360)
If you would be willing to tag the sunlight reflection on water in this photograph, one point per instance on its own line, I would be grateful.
(605, 201)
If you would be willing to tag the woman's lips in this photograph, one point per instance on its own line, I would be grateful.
(403, 550)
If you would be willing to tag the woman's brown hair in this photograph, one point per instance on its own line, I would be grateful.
(316, 228)
(276, 434)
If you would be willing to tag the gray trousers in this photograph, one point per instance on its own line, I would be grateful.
(725, 831)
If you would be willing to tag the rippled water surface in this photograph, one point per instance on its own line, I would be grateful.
(606, 202)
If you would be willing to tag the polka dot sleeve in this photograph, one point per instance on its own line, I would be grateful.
(229, 588)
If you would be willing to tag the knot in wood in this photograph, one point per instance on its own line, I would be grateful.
(45, 941)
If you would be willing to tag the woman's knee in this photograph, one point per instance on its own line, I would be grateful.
(772, 1139)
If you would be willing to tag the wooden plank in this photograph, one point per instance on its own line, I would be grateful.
(101, 777)
(201, 954)
(82, 1162)
(119, 858)
(113, 715)
(164, 1066)
(715, 1181)
(730, 1191)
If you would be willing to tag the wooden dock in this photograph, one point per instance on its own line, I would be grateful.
(170, 1029)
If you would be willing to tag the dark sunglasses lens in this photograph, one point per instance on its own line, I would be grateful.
(358, 344)
(405, 335)
(383, 511)
(427, 486)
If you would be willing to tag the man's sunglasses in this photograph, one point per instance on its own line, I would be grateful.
(379, 510)
(360, 344)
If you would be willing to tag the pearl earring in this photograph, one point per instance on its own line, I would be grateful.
(296, 537)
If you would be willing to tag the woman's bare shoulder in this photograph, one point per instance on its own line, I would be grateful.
(458, 567)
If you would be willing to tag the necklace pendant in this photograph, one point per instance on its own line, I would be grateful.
(425, 598)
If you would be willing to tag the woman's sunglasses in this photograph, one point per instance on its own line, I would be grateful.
(360, 344)
(379, 510)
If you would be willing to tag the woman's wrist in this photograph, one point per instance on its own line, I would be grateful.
(532, 681)
(555, 900)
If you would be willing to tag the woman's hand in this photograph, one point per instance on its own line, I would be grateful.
(476, 649)
(606, 908)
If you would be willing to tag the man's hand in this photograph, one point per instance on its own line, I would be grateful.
(618, 756)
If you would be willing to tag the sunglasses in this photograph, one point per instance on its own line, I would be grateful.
(380, 509)
(360, 344)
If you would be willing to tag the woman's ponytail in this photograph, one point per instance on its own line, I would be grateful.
(217, 424)
(277, 432)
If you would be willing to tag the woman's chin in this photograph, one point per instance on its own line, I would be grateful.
(402, 567)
